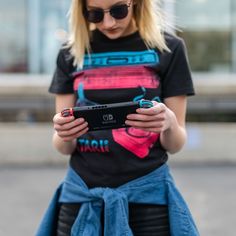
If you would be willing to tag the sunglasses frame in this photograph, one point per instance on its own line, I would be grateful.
(103, 11)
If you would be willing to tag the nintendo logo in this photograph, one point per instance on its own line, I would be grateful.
(108, 117)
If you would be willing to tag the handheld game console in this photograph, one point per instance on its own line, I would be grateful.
(106, 116)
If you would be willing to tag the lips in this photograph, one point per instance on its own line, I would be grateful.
(111, 31)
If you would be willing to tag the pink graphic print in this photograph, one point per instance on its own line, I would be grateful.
(136, 141)
(116, 78)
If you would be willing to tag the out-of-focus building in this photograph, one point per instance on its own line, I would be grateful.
(31, 32)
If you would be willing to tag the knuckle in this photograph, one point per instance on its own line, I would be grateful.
(60, 134)
(56, 127)
(155, 103)
(163, 106)
(55, 118)
(162, 117)
(162, 123)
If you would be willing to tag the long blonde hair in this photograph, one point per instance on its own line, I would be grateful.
(148, 18)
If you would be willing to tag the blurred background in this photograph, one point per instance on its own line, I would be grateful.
(31, 32)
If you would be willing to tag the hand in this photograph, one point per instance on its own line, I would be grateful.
(69, 128)
(156, 119)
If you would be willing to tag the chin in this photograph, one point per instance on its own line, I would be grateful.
(111, 36)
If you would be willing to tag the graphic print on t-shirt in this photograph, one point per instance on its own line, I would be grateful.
(122, 71)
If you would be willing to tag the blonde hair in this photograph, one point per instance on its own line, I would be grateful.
(148, 18)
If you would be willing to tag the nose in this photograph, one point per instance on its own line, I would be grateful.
(108, 21)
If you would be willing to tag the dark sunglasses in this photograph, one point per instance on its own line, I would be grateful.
(118, 12)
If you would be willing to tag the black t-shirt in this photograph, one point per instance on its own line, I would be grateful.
(121, 70)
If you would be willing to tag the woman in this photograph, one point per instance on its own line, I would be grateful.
(118, 182)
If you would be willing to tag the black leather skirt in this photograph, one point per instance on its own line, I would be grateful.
(144, 219)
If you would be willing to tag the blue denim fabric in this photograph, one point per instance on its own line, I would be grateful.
(155, 188)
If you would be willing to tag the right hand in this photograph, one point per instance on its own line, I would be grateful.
(69, 128)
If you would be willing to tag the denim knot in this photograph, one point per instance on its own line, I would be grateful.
(88, 221)
(115, 211)
(109, 195)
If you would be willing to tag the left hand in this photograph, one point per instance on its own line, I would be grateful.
(155, 119)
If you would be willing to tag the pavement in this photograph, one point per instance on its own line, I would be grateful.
(29, 144)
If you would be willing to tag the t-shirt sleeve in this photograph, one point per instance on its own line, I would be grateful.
(176, 74)
(62, 81)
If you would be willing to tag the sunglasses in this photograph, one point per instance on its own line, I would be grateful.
(118, 12)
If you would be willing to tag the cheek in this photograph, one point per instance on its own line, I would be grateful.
(98, 26)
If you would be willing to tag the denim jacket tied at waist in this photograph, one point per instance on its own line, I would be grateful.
(156, 187)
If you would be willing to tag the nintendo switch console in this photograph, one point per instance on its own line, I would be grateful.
(106, 116)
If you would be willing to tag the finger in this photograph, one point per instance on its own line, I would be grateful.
(69, 125)
(156, 109)
(156, 127)
(60, 120)
(153, 130)
(142, 117)
(73, 131)
(141, 124)
(77, 135)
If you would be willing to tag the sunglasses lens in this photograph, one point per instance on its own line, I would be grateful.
(94, 16)
(119, 12)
